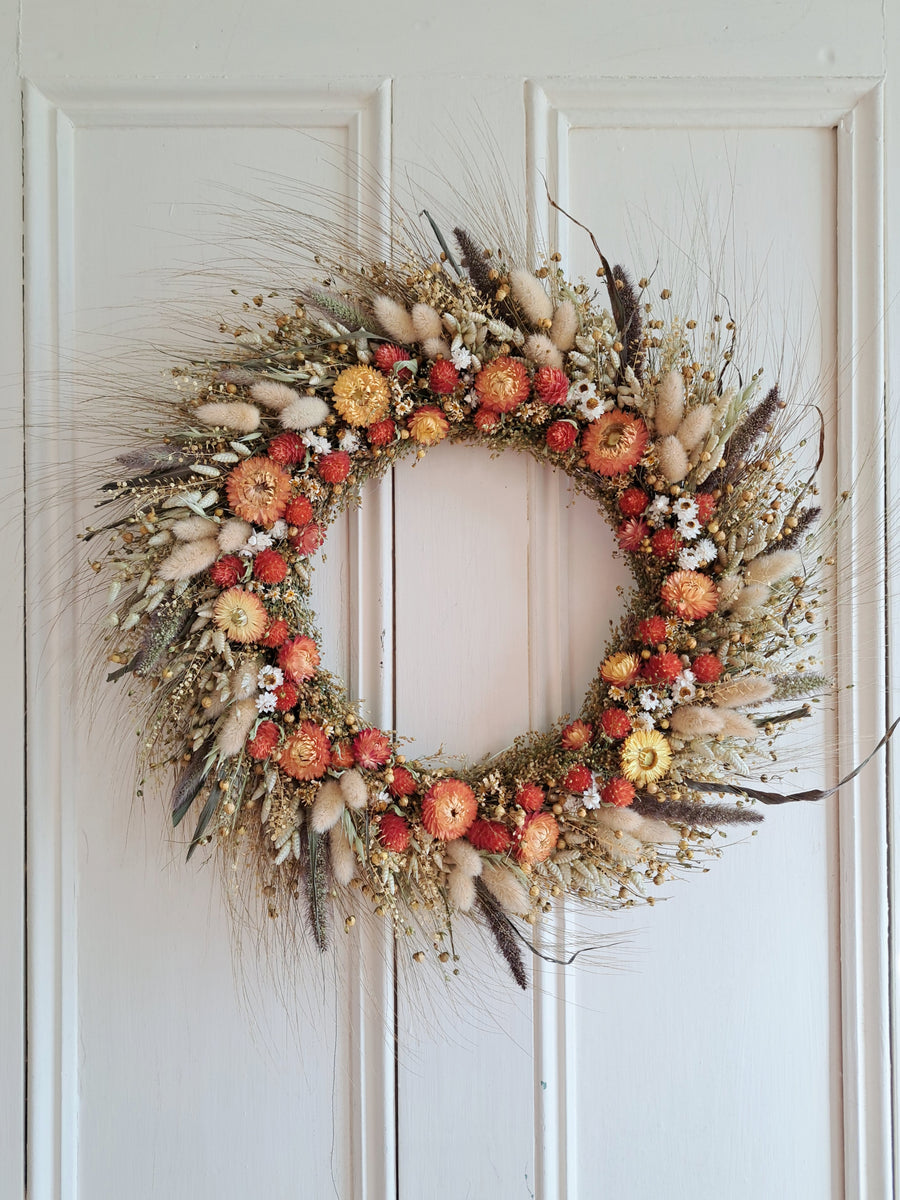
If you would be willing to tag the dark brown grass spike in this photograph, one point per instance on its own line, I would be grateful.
(504, 933)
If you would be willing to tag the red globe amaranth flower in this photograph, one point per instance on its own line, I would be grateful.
(536, 840)
(662, 668)
(308, 539)
(342, 756)
(614, 443)
(299, 512)
(531, 797)
(387, 354)
(371, 749)
(707, 668)
(551, 385)
(334, 467)
(503, 384)
(560, 436)
(486, 420)
(706, 506)
(264, 740)
(286, 696)
(652, 630)
(631, 533)
(306, 755)
(393, 832)
(448, 809)
(690, 595)
(578, 779)
(381, 433)
(428, 425)
(287, 449)
(227, 571)
(632, 502)
(577, 735)
(269, 567)
(258, 490)
(275, 635)
(403, 783)
(299, 659)
(443, 377)
(615, 723)
(665, 544)
(491, 836)
(617, 791)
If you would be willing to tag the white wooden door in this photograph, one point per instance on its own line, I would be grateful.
(733, 1040)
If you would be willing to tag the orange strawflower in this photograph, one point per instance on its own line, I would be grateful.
(258, 491)
(361, 395)
(614, 443)
(428, 426)
(536, 840)
(448, 809)
(299, 659)
(620, 669)
(690, 595)
(577, 735)
(503, 384)
(306, 755)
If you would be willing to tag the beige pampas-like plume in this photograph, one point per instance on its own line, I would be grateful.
(749, 600)
(739, 725)
(436, 347)
(327, 806)
(189, 559)
(540, 350)
(672, 458)
(654, 832)
(190, 529)
(236, 726)
(272, 394)
(238, 416)
(528, 292)
(564, 329)
(243, 680)
(303, 412)
(693, 720)
(669, 403)
(343, 860)
(355, 792)
(505, 888)
(233, 535)
(622, 819)
(466, 858)
(394, 320)
(729, 587)
(426, 322)
(695, 426)
(461, 890)
(750, 689)
(771, 568)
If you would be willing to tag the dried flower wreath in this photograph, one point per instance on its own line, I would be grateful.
(220, 512)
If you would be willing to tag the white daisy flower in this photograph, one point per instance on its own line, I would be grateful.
(270, 677)
(685, 508)
(591, 798)
(689, 528)
(665, 706)
(349, 441)
(706, 551)
(461, 358)
(278, 531)
(657, 510)
(684, 688)
(688, 560)
(318, 445)
(266, 702)
(648, 700)
(642, 721)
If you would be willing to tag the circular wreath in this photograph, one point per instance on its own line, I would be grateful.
(227, 504)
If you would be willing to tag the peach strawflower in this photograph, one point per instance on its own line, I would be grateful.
(645, 756)
(690, 595)
(448, 809)
(614, 443)
(372, 748)
(428, 425)
(299, 659)
(306, 755)
(240, 615)
(577, 735)
(258, 490)
(503, 384)
(361, 395)
(537, 838)
(620, 669)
